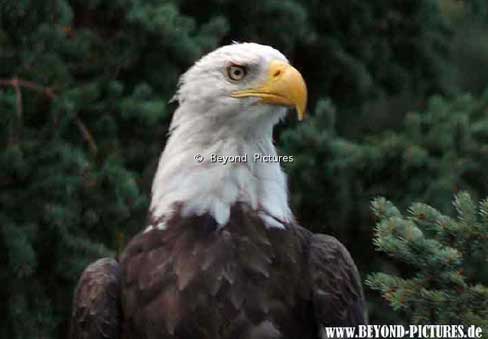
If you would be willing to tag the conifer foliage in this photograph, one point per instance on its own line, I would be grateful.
(447, 257)
(83, 112)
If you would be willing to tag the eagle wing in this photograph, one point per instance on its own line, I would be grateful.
(337, 293)
(96, 305)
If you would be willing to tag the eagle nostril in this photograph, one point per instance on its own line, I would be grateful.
(277, 73)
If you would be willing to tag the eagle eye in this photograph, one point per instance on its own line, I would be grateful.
(236, 72)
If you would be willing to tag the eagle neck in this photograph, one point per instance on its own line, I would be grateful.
(208, 173)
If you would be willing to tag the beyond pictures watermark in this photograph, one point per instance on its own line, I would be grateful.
(401, 331)
(244, 158)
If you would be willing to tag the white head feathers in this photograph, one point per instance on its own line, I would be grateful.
(211, 122)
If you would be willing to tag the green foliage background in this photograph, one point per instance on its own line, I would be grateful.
(84, 91)
(448, 256)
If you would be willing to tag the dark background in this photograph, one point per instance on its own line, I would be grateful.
(396, 109)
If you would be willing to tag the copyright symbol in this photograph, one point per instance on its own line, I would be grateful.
(199, 158)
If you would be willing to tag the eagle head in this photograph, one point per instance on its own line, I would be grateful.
(243, 84)
(229, 102)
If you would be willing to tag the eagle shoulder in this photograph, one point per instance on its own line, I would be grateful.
(337, 293)
(96, 304)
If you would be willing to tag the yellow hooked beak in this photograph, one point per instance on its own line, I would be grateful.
(284, 86)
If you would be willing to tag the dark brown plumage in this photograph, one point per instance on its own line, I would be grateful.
(96, 305)
(243, 281)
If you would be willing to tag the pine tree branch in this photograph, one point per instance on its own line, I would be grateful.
(15, 134)
(86, 135)
(17, 84)
(438, 289)
(18, 93)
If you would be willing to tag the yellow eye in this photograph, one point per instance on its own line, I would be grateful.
(236, 72)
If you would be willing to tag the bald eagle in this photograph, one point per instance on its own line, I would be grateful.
(222, 256)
